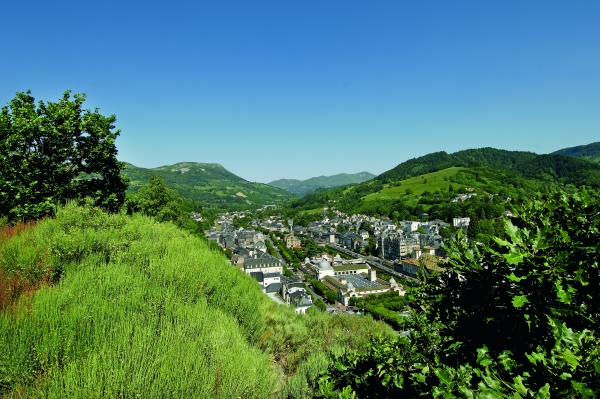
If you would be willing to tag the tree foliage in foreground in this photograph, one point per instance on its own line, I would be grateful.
(56, 151)
(516, 318)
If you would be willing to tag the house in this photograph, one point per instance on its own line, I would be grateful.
(461, 222)
(291, 241)
(419, 263)
(294, 294)
(265, 263)
(266, 279)
(360, 285)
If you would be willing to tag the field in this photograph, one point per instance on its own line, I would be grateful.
(429, 182)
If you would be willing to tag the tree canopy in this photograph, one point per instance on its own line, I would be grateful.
(56, 151)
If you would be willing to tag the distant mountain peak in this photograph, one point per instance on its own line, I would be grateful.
(303, 187)
(210, 185)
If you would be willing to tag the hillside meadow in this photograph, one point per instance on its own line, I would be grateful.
(431, 182)
(98, 305)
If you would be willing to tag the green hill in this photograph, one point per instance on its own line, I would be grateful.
(553, 166)
(210, 185)
(303, 187)
(431, 182)
(428, 180)
(589, 152)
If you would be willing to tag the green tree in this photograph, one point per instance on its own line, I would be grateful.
(528, 309)
(153, 196)
(474, 229)
(312, 249)
(371, 248)
(320, 304)
(154, 199)
(447, 232)
(54, 152)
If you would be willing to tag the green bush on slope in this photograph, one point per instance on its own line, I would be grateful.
(140, 308)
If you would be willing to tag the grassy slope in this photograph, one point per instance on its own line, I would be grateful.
(210, 185)
(144, 309)
(435, 181)
(512, 173)
(482, 180)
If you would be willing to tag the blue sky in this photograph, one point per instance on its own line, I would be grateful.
(296, 89)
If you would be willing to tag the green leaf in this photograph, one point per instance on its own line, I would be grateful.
(519, 301)
(511, 231)
(444, 376)
(534, 358)
(514, 257)
(563, 295)
(518, 385)
(565, 236)
(597, 367)
(514, 278)
(566, 376)
(582, 388)
(544, 392)
(502, 242)
(571, 359)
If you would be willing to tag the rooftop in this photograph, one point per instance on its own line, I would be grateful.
(350, 267)
(358, 281)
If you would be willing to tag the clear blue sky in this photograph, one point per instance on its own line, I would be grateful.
(295, 89)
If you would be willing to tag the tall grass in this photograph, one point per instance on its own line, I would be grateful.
(121, 306)
(141, 310)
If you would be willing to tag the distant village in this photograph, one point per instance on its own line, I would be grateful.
(406, 247)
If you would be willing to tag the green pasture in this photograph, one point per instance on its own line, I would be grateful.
(435, 182)
(313, 211)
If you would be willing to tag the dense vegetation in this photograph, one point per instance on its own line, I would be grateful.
(100, 300)
(589, 152)
(384, 307)
(211, 185)
(507, 173)
(516, 318)
(527, 164)
(118, 306)
(53, 152)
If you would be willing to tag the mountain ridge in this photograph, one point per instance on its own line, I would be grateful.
(589, 152)
(210, 185)
(303, 187)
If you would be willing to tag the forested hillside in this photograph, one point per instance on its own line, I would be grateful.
(210, 185)
(589, 152)
(415, 186)
(556, 167)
